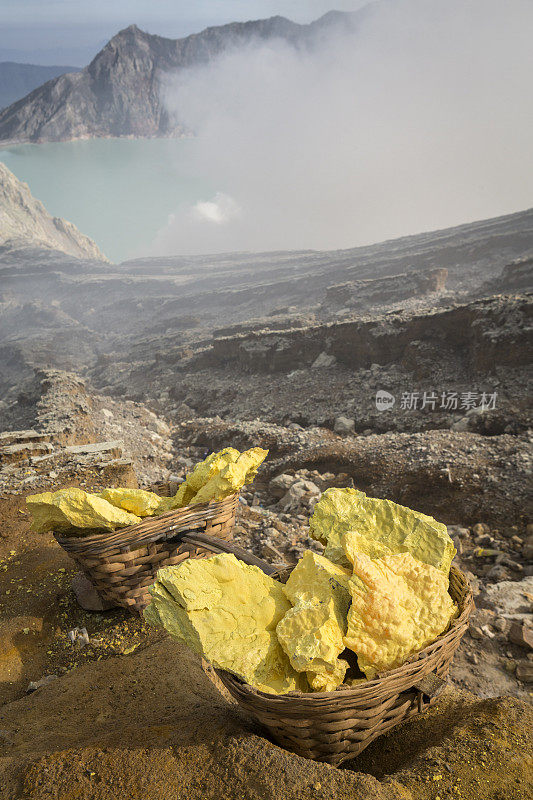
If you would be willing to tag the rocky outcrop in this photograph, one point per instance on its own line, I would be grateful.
(71, 430)
(484, 334)
(383, 291)
(193, 743)
(25, 220)
(118, 93)
(515, 277)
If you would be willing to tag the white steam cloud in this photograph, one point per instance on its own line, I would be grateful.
(220, 210)
(421, 119)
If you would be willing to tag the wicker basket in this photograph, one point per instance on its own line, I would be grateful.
(122, 564)
(336, 726)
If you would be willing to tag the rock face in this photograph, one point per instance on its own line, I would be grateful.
(72, 431)
(515, 277)
(487, 333)
(25, 220)
(117, 94)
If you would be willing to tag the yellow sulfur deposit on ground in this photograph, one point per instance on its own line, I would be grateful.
(227, 611)
(349, 523)
(74, 508)
(311, 633)
(399, 605)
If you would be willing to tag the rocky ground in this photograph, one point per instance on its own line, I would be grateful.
(82, 737)
(57, 429)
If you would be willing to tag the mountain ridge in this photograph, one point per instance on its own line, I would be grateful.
(117, 94)
(18, 79)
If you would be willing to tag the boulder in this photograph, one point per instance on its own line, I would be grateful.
(323, 360)
(280, 485)
(344, 425)
(298, 496)
(511, 599)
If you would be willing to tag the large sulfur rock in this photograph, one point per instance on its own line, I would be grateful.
(218, 476)
(399, 605)
(348, 523)
(315, 577)
(201, 474)
(227, 611)
(311, 633)
(233, 477)
(74, 508)
(136, 501)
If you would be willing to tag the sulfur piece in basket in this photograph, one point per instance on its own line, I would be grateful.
(348, 523)
(399, 605)
(136, 501)
(201, 474)
(74, 508)
(328, 680)
(312, 631)
(227, 612)
(232, 478)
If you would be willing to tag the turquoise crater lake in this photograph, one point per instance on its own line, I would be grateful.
(120, 192)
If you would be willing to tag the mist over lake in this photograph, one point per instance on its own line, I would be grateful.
(120, 192)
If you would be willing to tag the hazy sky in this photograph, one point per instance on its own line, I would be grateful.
(72, 31)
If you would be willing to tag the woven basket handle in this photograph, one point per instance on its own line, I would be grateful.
(222, 546)
(430, 685)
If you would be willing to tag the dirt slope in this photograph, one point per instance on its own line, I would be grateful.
(152, 725)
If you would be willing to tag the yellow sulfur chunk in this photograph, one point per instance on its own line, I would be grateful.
(74, 508)
(136, 501)
(348, 523)
(332, 517)
(201, 474)
(399, 605)
(232, 478)
(227, 611)
(311, 633)
(328, 681)
(314, 576)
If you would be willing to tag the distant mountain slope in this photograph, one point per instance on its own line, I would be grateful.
(16, 80)
(118, 93)
(25, 221)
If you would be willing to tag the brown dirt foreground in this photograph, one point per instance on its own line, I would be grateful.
(153, 725)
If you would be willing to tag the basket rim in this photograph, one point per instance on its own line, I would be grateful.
(367, 687)
(143, 531)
